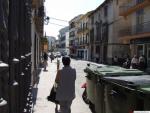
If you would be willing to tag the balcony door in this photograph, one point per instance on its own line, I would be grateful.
(139, 20)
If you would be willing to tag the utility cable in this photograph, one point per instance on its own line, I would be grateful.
(58, 19)
(58, 24)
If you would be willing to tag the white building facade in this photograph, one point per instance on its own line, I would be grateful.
(51, 43)
(64, 40)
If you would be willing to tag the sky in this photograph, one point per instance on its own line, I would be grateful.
(65, 10)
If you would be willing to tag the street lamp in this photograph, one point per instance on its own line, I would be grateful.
(46, 20)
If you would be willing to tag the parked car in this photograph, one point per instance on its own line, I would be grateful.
(58, 54)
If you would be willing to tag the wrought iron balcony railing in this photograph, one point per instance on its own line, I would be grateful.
(80, 30)
(132, 6)
(135, 30)
(72, 34)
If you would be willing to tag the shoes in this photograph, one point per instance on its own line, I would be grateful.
(45, 70)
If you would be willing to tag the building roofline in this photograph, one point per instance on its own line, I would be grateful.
(74, 19)
(100, 6)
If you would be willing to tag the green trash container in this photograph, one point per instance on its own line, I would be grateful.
(108, 71)
(91, 80)
(144, 96)
(125, 94)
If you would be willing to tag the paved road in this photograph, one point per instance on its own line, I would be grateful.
(46, 81)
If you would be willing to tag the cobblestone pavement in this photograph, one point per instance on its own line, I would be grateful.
(46, 80)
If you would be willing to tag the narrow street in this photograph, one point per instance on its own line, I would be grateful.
(46, 80)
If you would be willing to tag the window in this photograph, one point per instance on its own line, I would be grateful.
(139, 20)
(86, 25)
(97, 49)
(87, 35)
(83, 25)
(72, 25)
(140, 49)
(148, 52)
(105, 11)
(92, 36)
(116, 2)
(139, 1)
(92, 20)
(98, 33)
(105, 32)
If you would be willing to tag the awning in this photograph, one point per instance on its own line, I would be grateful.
(126, 39)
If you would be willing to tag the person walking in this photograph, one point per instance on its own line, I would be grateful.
(65, 78)
(127, 63)
(115, 60)
(52, 57)
(142, 63)
(135, 62)
(45, 57)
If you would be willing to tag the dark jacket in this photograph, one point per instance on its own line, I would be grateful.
(45, 56)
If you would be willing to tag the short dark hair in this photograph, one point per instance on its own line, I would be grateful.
(66, 60)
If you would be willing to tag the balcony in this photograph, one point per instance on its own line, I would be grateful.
(80, 30)
(39, 22)
(137, 31)
(133, 6)
(35, 3)
(83, 30)
(86, 29)
(72, 34)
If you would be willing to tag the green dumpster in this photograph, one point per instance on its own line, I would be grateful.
(95, 84)
(108, 71)
(144, 95)
(91, 80)
(125, 94)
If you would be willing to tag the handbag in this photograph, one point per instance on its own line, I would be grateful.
(52, 96)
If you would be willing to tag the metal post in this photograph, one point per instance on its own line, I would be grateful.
(58, 64)
(4, 57)
(12, 34)
(21, 54)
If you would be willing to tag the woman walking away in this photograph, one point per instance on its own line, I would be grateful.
(66, 85)
(45, 57)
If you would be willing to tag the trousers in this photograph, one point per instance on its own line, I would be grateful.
(65, 106)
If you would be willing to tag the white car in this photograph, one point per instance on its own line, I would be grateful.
(58, 54)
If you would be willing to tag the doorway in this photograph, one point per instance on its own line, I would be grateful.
(148, 55)
(140, 49)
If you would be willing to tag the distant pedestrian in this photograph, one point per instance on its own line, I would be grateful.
(142, 63)
(115, 60)
(52, 57)
(45, 57)
(127, 63)
(97, 58)
(65, 79)
(135, 62)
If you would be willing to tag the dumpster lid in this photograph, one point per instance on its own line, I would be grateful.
(145, 88)
(95, 65)
(142, 81)
(117, 71)
(91, 67)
